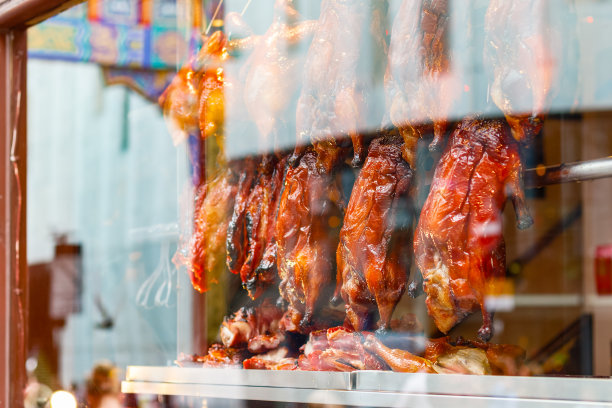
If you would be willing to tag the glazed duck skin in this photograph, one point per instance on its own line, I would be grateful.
(213, 208)
(372, 256)
(399, 360)
(459, 244)
(521, 55)
(236, 238)
(306, 242)
(421, 85)
(334, 99)
(270, 87)
(258, 271)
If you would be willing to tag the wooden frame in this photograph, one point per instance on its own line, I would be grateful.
(15, 17)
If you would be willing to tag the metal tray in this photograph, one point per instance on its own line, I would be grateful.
(553, 388)
(322, 380)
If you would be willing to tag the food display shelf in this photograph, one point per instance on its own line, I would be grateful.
(370, 388)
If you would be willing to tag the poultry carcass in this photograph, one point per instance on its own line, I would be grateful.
(504, 359)
(421, 83)
(521, 55)
(399, 360)
(337, 349)
(236, 239)
(193, 103)
(276, 359)
(337, 94)
(372, 257)
(207, 247)
(258, 270)
(459, 244)
(256, 328)
(307, 235)
(219, 356)
(271, 89)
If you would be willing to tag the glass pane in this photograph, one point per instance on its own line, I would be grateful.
(345, 186)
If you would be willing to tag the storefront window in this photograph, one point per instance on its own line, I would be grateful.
(377, 195)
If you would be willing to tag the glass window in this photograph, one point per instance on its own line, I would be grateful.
(367, 187)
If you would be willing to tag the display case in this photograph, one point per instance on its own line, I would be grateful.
(343, 202)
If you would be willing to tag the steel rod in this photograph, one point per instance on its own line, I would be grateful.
(568, 172)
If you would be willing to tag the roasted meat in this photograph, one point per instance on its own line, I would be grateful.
(256, 328)
(463, 360)
(237, 240)
(193, 103)
(399, 360)
(421, 84)
(521, 56)
(372, 257)
(342, 351)
(258, 270)
(504, 359)
(213, 208)
(257, 363)
(219, 356)
(307, 235)
(340, 67)
(271, 88)
(273, 360)
(459, 244)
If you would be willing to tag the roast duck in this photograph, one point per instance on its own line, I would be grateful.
(421, 83)
(521, 56)
(372, 261)
(336, 94)
(458, 244)
(269, 89)
(276, 219)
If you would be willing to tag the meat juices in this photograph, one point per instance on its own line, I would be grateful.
(520, 56)
(307, 236)
(459, 244)
(335, 97)
(372, 257)
(420, 84)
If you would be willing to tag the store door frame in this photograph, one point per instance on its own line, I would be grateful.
(15, 17)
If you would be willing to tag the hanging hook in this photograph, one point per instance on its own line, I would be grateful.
(213, 17)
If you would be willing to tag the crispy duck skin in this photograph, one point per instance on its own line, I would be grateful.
(236, 240)
(420, 85)
(459, 244)
(213, 207)
(333, 101)
(399, 360)
(306, 242)
(373, 263)
(193, 103)
(520, 56)
(258, 271)
(270, 87)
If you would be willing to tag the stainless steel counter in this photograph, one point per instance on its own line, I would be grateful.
(370, 388)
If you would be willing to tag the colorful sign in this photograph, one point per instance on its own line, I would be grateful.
(140, 34)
